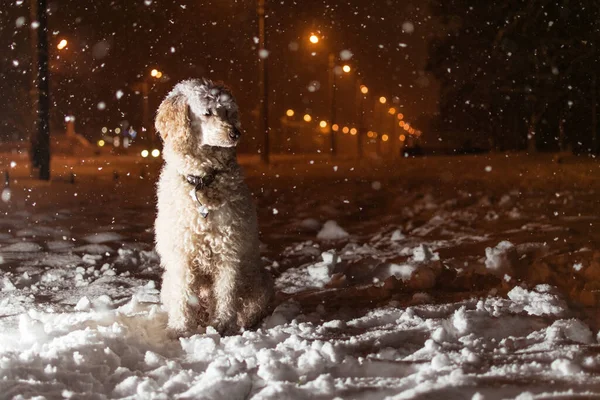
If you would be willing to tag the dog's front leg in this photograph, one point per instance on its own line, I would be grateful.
(225, 290)
(177, 296)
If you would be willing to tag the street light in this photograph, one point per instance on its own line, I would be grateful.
(307, 117)
(62, 44)
(323, 124)
(382, 100)
(332, 89)
(364, 89)
(289, 113)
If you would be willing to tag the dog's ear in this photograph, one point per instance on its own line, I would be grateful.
(172, 117)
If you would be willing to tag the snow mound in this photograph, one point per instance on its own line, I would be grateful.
(423, 253)
(332, 231)
(103, 237)
(312, 276)
(501, 259)
(540, 301)
(22, 247)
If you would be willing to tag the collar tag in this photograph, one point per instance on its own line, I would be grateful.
(202, 209)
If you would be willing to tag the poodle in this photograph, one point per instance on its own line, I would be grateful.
(206, 227)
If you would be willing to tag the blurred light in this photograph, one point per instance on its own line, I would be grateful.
(382, 100)
(346, 68)
(384, 137)
(314, 39)
(374, 134)
(400, 116)
(345, 129)
(392, 110)
(117, 141)
(401, 123)
(370, 134)
(289, 113)
(62, 44)
(402, 138)
(104, 129)
(154, 72)
(101, 143)
(144, 153)
(323, 124)
(307, 117)
(335, 127)
(353, 131)
(117, 130)
(406, 127)
(155, 153)
(364, 89)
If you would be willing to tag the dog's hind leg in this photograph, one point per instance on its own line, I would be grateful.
(255, 299)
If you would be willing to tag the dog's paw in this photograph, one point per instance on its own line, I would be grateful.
(226, 327)
(174, 334)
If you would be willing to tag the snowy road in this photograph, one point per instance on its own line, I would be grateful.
(466, 277)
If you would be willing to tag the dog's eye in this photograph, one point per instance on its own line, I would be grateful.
(207, 113)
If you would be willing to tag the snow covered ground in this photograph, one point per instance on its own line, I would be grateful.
(465, 277)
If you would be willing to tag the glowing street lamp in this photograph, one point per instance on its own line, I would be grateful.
(400, 116)
(382, 100)
(290, 113)
(307, 117)
(385, 137)
(323, 124)
(346, 68)
(364, 89)
(314, 39)
(62, 44)
(392, 111)
(156, 74)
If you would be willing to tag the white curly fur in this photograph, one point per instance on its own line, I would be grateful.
(212, 265)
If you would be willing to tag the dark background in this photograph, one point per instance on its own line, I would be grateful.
(113, 45)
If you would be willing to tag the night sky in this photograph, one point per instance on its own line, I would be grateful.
(113, 45)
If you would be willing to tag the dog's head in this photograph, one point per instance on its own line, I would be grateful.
(198, 113)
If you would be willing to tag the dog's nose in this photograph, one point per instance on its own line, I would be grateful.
(235, 133)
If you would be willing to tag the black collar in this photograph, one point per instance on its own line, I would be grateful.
(201, 182)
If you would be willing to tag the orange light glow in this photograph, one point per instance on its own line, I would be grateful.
(345, 129)
(385, 137)
(346, 68)
(307, 117)
(392, 111)
(400, 116)
(335, 127)
(290, 113)
(364, 89)
(323, 124)
(353, 131)
(402, 138)
(382, 100)
(314, 39)
(62, 44)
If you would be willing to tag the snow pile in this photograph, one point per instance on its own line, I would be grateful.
(423, 253)
(310, 276)
(500, 260)
(541, 301)
(332, 231)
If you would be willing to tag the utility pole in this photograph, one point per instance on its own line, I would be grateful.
(331, 63)
(40, 138)
(263, 82)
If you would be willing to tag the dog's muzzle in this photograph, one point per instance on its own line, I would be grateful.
(235, 134)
